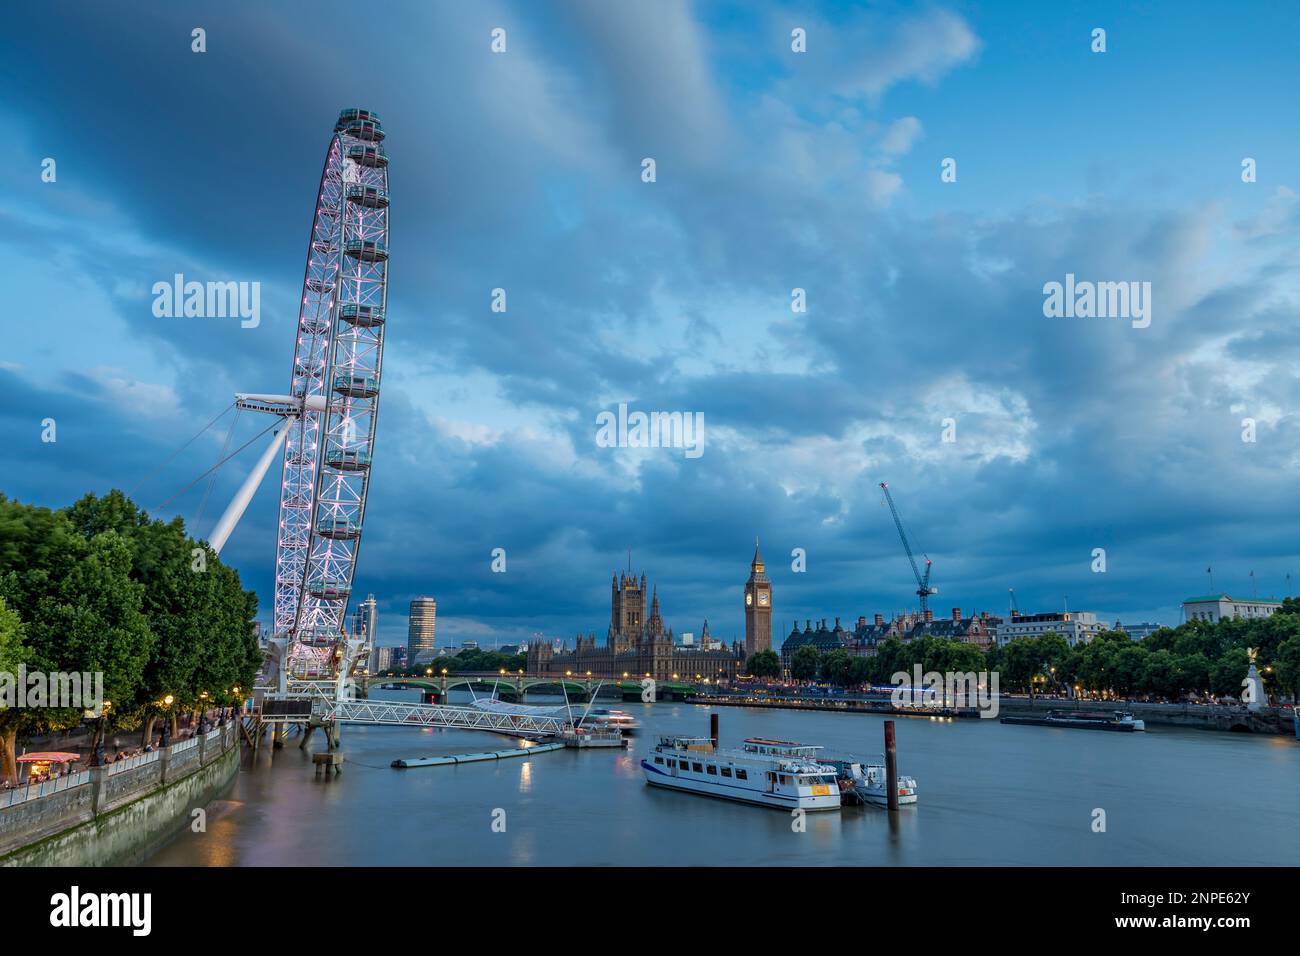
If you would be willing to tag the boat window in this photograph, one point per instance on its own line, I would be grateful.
(659, 760)
(726, 771)
(697, 768)
(741, 774)
(712, 769)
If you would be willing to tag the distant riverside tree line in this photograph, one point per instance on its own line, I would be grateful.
(100, 587)
(1196, 658)
(468, 661)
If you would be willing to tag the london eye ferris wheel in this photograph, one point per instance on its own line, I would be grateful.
(329, 416)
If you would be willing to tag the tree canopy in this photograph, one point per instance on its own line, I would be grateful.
(100, 587)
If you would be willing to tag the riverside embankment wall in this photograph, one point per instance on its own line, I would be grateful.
(120, 813)
(1268, 720)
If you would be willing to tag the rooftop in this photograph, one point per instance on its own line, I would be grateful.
(1215, 598)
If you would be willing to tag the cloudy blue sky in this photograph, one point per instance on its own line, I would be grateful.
(775, 171)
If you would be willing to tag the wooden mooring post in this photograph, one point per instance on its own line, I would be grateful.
(891, 765)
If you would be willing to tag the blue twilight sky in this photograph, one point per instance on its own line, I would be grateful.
(775, 170)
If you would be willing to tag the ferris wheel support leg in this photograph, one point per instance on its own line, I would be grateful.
(239, 503)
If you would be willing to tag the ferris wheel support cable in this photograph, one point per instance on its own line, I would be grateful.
(233, 454)
(172, 457)
(212, 480)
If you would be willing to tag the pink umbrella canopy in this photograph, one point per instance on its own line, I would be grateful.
(52, 756)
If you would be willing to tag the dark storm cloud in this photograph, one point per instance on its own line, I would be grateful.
(522, 172)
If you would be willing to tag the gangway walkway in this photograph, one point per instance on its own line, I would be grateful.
(398, 714)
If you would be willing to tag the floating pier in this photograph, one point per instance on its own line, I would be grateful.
(408, 762)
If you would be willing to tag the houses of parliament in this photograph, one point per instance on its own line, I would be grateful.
(638, 644)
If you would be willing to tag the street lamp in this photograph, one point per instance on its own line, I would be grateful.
(167, 722)
(203, 712)
(99, 734)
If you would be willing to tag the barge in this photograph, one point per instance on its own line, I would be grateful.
(1082, 720)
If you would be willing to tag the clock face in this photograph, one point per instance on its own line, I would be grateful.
(749, 599)
(762, 598)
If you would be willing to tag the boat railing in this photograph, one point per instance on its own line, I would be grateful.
(835, 756)
(682, 743)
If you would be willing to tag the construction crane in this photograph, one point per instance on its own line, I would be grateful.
(1013, 607)
(923, 589)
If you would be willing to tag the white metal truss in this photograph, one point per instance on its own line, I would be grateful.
(336, 373)
(436, 715)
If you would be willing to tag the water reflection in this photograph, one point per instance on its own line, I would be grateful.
(989, 794)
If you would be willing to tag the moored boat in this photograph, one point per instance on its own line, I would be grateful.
(607, 719)
(769, 773)
(863, 782)
(1083, 720)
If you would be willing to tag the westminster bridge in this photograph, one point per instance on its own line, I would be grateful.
(515, 686)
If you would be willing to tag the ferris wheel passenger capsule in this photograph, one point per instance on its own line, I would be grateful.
(369, 196)
(356, 386)
(363, 316)
(367, 250)
(364, 154)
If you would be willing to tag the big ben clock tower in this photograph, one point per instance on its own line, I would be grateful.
(758, 607)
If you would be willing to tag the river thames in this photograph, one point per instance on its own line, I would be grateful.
(990, 794)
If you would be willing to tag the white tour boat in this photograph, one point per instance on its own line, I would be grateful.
(769, 773)
(603, 719)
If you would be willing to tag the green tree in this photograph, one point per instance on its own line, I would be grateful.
(80, 608)
(1019, 662)
(891, 657)
(1159, 677)
(805, 663)
(1287, 666)
(763, 664)
(1191, 673)
(1228, 672)
(13, 654)
(1129, 662)
(198, 611)
(835, 667)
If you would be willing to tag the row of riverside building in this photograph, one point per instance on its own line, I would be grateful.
(985, 630)
(638, 643)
